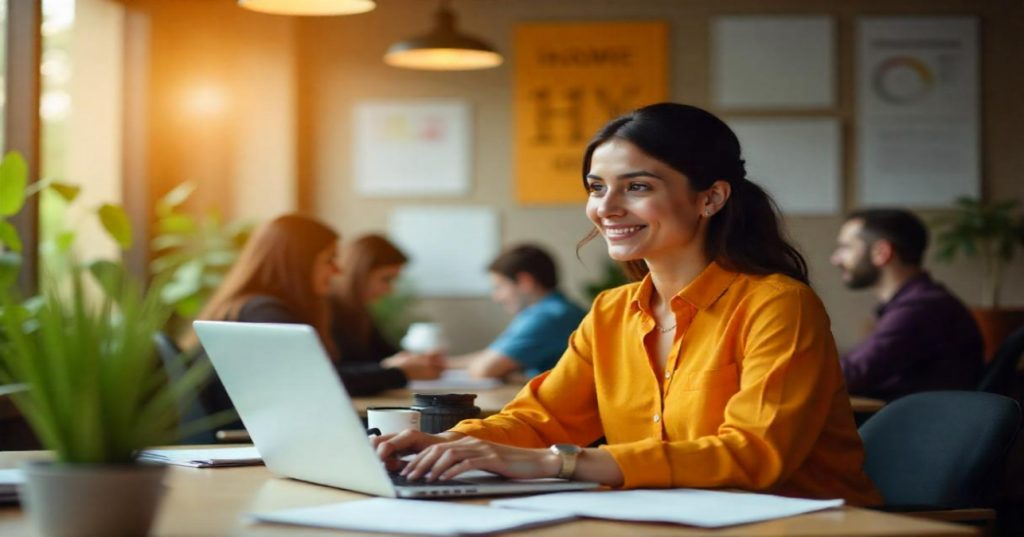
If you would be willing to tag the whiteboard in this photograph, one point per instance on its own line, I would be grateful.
(797, 160)
(767, 61)
(449, 247)
(411, 148)
(917, 110)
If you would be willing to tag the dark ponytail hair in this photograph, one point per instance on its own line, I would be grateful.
(745, 236)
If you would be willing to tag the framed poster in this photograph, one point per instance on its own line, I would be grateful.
(449, 248)
(797, 160)
(570, 79)
(917, 110)
(773, 61)
(412, 148)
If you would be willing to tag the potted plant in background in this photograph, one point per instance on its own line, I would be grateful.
(80, 361)
(192, 254)
(993, 232)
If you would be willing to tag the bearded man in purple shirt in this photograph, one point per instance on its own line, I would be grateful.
(924, 338)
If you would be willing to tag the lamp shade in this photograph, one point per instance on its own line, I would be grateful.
(309, 7)
(443, 49)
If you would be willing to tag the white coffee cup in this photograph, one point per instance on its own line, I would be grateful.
(392, 419)
(424, 337)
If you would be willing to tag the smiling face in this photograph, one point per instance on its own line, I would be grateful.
(642, 207)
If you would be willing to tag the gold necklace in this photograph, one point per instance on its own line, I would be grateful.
(664, 330)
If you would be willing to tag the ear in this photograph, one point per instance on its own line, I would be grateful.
(881, 253)
(525, 281)
(715, 197)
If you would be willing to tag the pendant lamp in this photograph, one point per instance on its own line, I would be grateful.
(443, 49)
(309, 7)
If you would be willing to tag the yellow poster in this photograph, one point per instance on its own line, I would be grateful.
(571, 78)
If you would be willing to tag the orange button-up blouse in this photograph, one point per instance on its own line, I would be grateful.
(752, 396)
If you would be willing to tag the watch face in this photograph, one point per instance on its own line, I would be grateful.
(568, 448)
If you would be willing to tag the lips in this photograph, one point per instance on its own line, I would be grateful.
(615, 233)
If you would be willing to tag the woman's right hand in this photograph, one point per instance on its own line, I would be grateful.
(417, 366)
(391, 446)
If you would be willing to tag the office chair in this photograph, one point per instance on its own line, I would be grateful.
(940, 451)
(190, 408)
(1001, 375)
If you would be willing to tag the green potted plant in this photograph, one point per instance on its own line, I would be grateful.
(78, 362)
(992, 232)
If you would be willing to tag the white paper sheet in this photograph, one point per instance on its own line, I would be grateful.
(797, 160)
(917, 110)
(449, 248)
(411, 516)
(454, 379)
(10, 479)
(412, 148)
(762, 61)
(693, 507)
(204, 458)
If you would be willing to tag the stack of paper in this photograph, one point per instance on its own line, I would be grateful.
(10, 479)
(205, 457)
(412, 516)
(454, 379)
(693, 507)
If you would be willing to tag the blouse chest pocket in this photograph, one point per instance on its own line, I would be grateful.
(719, 379)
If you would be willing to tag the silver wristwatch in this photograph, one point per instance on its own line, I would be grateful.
(568, 453)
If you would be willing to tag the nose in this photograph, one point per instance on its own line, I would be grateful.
(834, 259)
(610, 205)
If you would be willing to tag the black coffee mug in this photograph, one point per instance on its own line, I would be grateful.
(442, 411)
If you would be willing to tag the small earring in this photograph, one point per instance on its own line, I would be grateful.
(707, 213)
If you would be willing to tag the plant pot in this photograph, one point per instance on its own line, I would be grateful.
(85, 500)
(996, 325)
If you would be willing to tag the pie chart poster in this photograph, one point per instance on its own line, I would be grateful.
(917, 110)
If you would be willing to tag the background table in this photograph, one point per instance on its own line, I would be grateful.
(490, 401)
(215, 502)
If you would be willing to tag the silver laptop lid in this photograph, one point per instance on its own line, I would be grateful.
(304, 427)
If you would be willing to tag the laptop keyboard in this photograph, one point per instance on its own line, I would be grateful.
(401, 481)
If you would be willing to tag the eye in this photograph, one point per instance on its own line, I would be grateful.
(639, 187)
(594, 187)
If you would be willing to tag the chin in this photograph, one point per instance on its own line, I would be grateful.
(622, 255)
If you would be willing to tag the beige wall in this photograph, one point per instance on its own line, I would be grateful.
(340, 64)
(284, 141)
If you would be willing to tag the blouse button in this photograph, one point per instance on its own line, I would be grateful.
(657, 418)
(668, 374)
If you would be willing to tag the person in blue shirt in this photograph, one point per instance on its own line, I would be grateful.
(525, 283)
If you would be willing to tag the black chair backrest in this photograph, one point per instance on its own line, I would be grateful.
(939, 449)
(190, 409)
(1001, 374)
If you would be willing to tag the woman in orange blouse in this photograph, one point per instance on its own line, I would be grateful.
(717, 369)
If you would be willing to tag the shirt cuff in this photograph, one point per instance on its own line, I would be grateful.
(644, 463)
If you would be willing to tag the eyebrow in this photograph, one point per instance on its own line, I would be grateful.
(630, 175)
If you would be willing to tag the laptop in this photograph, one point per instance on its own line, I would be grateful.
(304, 425)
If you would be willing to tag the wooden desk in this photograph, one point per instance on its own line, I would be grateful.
(215, 501)
(865, 405)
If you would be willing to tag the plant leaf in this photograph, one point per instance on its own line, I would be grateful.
(116, 222)
(67, 191)
(9, 236)
(13, 180)
(109, 275)
(10, 265)
(177, 195)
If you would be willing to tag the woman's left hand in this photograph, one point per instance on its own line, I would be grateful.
(449, 459)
